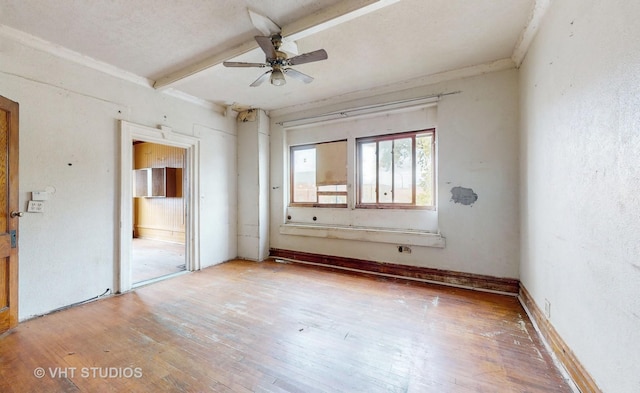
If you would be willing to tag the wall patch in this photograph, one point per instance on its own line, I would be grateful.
(466, 196)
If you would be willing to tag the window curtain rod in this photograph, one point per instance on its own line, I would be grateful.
(364, 110)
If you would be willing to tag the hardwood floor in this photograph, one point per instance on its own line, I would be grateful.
(155, 258)
(270, 327)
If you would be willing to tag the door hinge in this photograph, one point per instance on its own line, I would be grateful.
(14, 238)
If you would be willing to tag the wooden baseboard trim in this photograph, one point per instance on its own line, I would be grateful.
(563, 353)
(467, 280)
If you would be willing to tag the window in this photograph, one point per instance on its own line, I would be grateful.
(396, 171)
(319, 174)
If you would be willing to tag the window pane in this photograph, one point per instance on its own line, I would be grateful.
(385, 171)
(397, 170)
(332, 199)
(402, 171)
(368, 175)
(331, 163)
(304, 175)
(336, 194)
(336, 188)
(424, 170)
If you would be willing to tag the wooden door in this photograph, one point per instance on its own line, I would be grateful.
(8, 214)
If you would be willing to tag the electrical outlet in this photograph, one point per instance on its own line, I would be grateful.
(404, 249)
(35, 207)
(547, 308)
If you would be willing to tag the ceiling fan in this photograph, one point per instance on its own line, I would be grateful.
(279, 62)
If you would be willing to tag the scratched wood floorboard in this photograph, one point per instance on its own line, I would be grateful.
(282, 328)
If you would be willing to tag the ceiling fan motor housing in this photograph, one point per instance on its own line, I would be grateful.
(281, 57)
(280, 60)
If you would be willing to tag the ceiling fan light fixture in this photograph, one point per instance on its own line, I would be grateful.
(277, 77)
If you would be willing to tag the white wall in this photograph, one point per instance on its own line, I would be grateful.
(69, 141)
(253, 188)
(263, 184)
(580, 100)
(218, 193)
(477, 146)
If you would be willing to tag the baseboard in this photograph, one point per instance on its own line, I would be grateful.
(467, 280)
(165, 235)
(563, 353)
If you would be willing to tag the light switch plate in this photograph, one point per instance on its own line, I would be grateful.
(35, 207)
(39, 195)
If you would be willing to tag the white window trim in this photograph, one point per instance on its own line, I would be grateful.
(297, 132)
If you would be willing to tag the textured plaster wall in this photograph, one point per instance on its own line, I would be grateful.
(70, 144)
(477, 137)
(580, 94)
(253, 187)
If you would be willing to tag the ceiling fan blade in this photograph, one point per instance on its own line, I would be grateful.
(317, 55)
(298, 75)
(268, 28)
(242, 64)
(267, 46)
(264, 24)
(261, 79)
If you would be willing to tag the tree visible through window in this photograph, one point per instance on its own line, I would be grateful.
(397, 170)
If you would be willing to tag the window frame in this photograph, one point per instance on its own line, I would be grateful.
(391, 137)
(319, 193)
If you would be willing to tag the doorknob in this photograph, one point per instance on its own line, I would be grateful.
(16, 214)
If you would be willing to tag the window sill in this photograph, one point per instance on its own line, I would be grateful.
(367, 234)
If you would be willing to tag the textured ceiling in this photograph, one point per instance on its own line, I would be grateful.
(402, 41)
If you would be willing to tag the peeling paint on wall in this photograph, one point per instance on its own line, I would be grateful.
(466, 196)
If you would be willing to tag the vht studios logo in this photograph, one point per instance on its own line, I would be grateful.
(88, 372)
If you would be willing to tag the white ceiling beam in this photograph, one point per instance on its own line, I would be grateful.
(333, 16)
(195, 68)
(341, 12)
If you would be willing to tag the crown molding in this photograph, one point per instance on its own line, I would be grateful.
(426, 80)
(195, 100)
(70, 55)
(89, 62)
(539, 10)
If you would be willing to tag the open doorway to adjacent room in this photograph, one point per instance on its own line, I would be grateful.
(159, 211)
(159, 208)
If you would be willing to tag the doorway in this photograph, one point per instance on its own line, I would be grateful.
(163, 179)
(159, 212)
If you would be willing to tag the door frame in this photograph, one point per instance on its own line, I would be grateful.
(130, 132)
